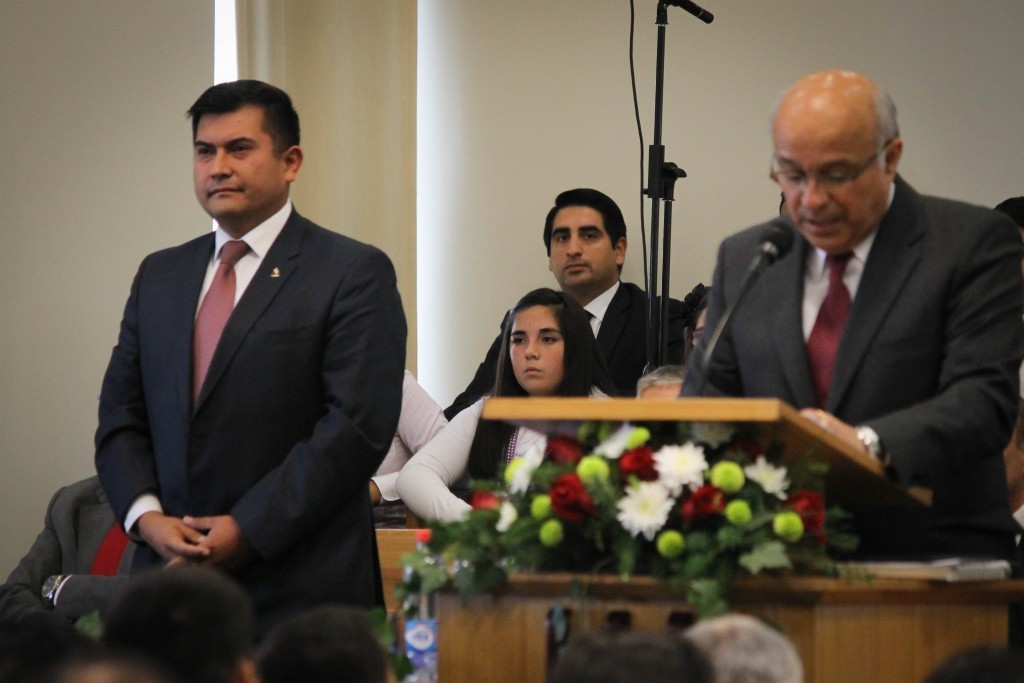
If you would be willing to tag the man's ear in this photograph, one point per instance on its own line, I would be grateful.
(620, 251)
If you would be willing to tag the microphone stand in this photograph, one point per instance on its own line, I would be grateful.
(661, 180)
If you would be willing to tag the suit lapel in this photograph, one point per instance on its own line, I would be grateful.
(892, 260)
(614, 321)
(786, 278)
(275, 269)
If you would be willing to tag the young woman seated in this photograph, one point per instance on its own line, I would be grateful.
(548, 349)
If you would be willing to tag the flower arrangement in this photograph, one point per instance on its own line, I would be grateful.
(693, 504)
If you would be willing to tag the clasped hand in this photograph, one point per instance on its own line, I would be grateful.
(216, 540)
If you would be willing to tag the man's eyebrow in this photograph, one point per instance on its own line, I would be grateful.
(229, 143)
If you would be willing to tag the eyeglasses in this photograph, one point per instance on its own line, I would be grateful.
(826, 181)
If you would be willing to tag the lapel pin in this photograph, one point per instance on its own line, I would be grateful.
(276, 272)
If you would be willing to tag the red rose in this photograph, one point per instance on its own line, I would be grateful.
(748, 447)
(562, 449)
(703, 504)
(639, 462)
(569, 499)
(811, 508)
(485, 500)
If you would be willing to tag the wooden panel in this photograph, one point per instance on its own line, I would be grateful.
(844, 631)
(391, 545)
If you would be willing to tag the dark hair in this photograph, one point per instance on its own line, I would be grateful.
(33, 643)
(627, 656)
(585, 369)
(195, 622)
(324, 645)
(983, 664)
(1014, 208)
(280, 120)
(614, 223)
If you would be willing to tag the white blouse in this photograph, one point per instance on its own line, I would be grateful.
(424, 482)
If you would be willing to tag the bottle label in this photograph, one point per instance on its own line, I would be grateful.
(421, 644)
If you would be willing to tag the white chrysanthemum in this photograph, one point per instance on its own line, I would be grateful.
(644, 509)
(713, 434)
(771, 478)
(615, 445)
(507, 515)
(519, 480)
(680, 466)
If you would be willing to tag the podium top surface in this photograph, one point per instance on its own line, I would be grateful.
(853, 475)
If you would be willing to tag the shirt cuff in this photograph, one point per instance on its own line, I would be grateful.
(147, 502)
(387, 484)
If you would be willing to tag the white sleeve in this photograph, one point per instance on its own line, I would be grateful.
(424, 482)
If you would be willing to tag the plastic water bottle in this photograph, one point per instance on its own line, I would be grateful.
(421, 632)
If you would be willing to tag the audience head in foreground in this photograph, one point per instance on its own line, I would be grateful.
(743, 649)
(194, 622)
(630, 656)
(986, 664)
(324, 645)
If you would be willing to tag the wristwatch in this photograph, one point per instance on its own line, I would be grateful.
(51, 586)
(868, 438)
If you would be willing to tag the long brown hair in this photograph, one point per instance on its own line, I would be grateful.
(585, 370)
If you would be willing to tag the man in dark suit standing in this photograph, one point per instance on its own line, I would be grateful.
(585, 237)
(926, 345)
(252, 452)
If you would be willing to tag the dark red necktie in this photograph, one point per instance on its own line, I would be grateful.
(828, 327)
(108, 557)
(214, 313)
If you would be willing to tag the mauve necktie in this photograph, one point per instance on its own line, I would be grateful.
(214, 312)
(828, 326)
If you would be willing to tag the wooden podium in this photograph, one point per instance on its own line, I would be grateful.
(845, 630)
(852, 474)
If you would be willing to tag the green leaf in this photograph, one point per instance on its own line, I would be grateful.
(767, 555)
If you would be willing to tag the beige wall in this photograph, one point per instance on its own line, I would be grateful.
(95, 174)
(520, 100)
(350, 68)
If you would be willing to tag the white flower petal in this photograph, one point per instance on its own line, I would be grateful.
(680, 466)
(771, 478)
(713, 434)
(615, 445)
(507, 515)
(645, 509)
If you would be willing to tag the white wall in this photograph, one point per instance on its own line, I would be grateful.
(95, 172)
(518, 101)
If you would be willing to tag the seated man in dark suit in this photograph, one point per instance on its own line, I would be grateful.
(79, 562)
(585, 237)
(894, 322)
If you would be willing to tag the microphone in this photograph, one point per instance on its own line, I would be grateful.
(693, 8)
(776, 241)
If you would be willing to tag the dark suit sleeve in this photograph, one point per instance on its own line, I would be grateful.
(972, 411)
(361, 377)
(20, 596)
(483, 380)
(124, 449)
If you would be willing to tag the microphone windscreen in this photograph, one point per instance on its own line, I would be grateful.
(777, 240)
